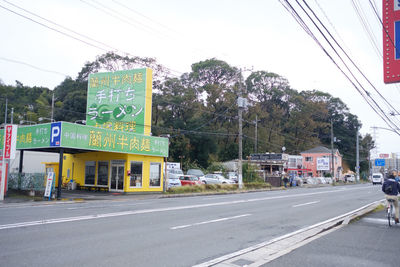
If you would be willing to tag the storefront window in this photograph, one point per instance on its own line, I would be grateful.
(308, 159)
(90, 170)
(102, 173)
(136, 174)
(155, 174)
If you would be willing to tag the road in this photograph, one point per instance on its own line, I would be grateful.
(165, 232)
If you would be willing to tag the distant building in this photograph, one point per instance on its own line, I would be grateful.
(318, 161)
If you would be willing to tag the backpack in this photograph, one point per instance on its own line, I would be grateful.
(388, 189)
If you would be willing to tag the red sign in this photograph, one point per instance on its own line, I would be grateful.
(383, 156)
(391, 40)
(7, 142)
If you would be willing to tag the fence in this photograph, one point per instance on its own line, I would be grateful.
(27, 181)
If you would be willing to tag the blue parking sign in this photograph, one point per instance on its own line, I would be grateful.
(55, 134)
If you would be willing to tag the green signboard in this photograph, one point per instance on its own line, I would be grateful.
(93, 138)
(89, 138)
(120, 100)
(34, 136)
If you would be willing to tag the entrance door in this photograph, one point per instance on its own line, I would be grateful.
(117, 177)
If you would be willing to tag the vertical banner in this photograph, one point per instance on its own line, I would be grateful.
(9, 147)
(10, 141)
(391, 40)
(49, 184)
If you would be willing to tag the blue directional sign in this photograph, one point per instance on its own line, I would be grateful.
(380, 162)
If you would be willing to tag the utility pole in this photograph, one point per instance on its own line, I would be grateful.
(240, 110)
(3, 163)
(256, 141)
(52, 107)
(5, 114)
(332, 154)
(357, 159)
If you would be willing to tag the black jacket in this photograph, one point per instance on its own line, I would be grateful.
(395, 187)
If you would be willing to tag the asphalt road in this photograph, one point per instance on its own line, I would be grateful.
(165, 232)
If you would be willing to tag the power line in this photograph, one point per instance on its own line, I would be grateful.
(33, 66)
(365, 94)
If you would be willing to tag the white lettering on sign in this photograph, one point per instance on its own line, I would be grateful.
(55, 132)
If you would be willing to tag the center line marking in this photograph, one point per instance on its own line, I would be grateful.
(211, 221)
(304, 204)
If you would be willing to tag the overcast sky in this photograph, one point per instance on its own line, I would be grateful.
(258, 34)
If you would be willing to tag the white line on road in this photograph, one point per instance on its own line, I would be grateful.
(211, 221)
(305, 204)
(108, 206)
(145, 211)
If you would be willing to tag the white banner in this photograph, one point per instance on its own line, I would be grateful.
(49, 184)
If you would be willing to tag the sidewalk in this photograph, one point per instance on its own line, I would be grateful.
(367, 242)
(78, 196)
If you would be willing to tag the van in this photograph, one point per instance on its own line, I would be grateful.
(377, 178)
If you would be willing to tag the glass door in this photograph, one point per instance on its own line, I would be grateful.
(117, 178)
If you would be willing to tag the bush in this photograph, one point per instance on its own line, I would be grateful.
(257, 185)
(186, 189)
(250, 175)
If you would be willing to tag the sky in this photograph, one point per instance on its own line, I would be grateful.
(254, 34)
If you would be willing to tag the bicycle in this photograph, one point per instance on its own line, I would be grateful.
(390, 212)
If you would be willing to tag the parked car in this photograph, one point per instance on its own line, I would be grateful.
(196, 172)
(213, 178)
(190, 180)
(174, 173)
(349, 178)
(174, 182)
(328, 180)
(232, 176)
(377, 178)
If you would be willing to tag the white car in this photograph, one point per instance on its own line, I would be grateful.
(213, 178)
(377, 178)
(174, 182)
(174, 173)
(349, 178)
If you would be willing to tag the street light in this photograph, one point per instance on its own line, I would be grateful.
(81, 122)
(25, 121)
(44, 118)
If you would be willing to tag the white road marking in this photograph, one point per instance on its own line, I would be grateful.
(108, 206)
(305, 204)
(211, 221)
(144, 211)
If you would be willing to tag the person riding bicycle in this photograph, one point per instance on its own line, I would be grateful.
(391, 188)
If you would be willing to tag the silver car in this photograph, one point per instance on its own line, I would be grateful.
(213, 178)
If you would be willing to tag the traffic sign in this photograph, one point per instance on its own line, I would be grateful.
(380, 162)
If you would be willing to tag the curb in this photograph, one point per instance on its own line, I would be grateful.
(269, 250)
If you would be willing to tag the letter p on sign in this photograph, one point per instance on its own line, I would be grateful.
(55, 134)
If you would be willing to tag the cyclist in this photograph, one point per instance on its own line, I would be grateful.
(391, 188)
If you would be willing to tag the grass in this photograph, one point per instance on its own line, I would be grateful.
(216, 188)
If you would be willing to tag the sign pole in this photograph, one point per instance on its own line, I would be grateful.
(3, 176)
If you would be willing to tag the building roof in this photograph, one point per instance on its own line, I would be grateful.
(318, 149)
